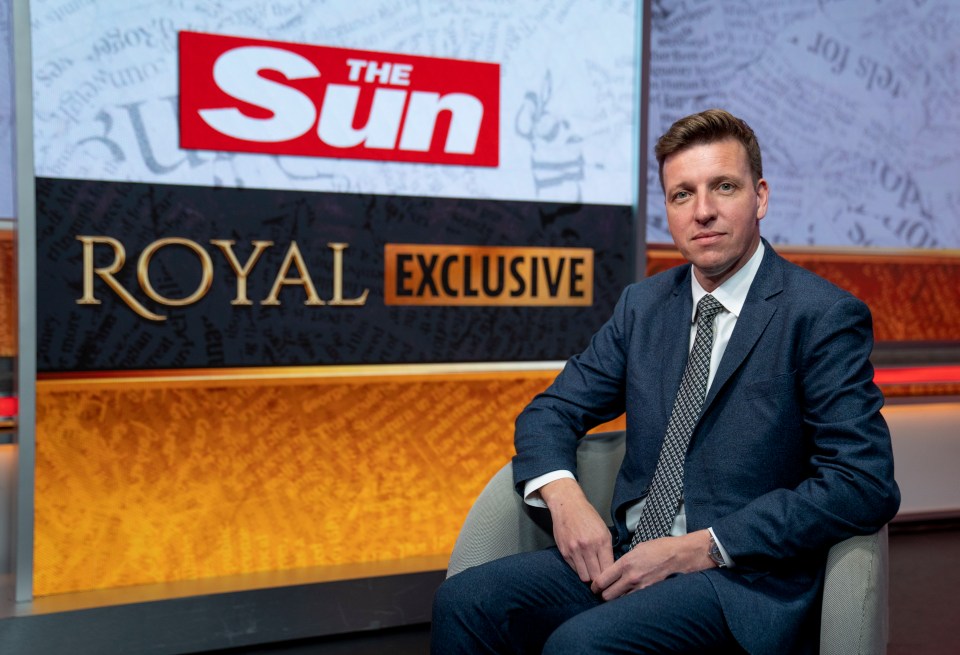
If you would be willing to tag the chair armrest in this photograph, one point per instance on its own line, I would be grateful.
(854, 618)
(500, 523)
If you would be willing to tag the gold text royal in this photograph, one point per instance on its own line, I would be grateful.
(293, 271)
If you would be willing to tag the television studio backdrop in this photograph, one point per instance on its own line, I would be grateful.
(277, 276)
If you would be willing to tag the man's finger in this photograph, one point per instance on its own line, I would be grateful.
(606, 578)
(582, 569)
(594, 568)
(606, 558)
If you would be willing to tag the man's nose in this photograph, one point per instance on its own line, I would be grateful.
(704, 209)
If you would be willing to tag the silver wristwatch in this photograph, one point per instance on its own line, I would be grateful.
(715, 554)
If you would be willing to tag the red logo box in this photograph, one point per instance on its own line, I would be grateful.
(253, 95)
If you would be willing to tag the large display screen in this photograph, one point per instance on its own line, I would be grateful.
(262, 184)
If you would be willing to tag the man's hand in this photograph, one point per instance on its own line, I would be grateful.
(653, 561)
(583, 538)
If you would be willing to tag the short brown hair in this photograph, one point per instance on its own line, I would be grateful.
(707, 127)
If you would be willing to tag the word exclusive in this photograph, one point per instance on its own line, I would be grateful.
(291, 272)
(416, 274)
(251, 95)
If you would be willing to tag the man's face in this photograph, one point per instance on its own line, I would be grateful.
(714, 208)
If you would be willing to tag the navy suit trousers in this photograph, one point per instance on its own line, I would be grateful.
(534, 602)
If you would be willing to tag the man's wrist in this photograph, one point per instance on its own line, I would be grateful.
(714, 553)
(558, 490)
(717, 553)
(531, 490)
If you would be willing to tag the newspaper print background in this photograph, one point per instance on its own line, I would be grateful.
(105, 91)
(856, 104)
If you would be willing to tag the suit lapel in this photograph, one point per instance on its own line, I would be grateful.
(754, 318)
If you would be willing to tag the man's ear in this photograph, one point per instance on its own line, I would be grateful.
(763, 194)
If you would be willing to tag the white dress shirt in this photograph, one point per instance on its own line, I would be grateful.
(732, 294)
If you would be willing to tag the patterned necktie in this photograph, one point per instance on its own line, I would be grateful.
(663, 500)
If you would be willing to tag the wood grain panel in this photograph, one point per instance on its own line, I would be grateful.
(914, 297)
(151, 485)
(8, 295)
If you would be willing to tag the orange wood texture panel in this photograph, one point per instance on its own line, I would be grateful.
(8, 295)
(138, 486)
(913, 297)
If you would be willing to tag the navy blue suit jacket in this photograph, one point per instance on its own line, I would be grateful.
(790, 454)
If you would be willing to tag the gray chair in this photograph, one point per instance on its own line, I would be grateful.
(854, 618)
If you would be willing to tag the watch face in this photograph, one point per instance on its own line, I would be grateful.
(715, 554)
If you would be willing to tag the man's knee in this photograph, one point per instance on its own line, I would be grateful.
(508, 605)
(563, 641)
(444, 599)
(470, 600)
(465, 616)
(575, 638)
(453, 598)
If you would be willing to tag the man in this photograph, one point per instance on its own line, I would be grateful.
(747, 456)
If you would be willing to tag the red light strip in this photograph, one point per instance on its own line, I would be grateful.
(8, 406)
(917, 375)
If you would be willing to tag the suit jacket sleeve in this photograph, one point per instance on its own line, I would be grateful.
(589, 391)
(847, 487)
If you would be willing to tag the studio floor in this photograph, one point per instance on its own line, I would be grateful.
(924, 615)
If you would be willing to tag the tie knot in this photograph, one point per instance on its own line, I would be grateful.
(707, 308)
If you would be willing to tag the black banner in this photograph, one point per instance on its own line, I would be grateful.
(147, 276)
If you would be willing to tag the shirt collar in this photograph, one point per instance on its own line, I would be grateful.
(732, 294)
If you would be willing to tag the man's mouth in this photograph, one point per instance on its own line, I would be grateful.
(707, 237)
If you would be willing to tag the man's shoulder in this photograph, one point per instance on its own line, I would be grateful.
(806, 285)
(664, 283)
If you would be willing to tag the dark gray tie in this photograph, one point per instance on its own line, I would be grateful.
(663, 500)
